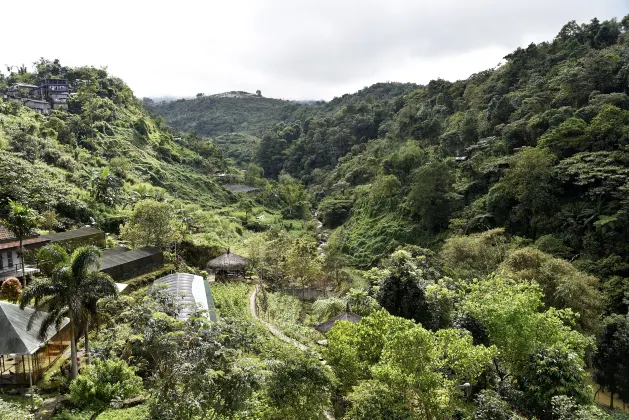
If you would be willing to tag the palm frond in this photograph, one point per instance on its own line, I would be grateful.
(84, 259)
(52, 318)
(37, 290)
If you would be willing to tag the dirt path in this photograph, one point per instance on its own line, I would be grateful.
(272, 328)
(276, 332)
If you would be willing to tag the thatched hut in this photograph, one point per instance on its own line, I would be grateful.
(326, 326)
(229, 265)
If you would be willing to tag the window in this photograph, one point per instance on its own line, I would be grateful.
(10, 257)
(1, 260)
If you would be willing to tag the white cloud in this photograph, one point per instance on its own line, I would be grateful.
(293, 49)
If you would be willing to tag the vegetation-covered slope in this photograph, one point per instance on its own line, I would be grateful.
(102, 155)
(537, 146)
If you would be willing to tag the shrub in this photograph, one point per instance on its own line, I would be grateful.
(11, 410)
(99, 384)
(11, 290)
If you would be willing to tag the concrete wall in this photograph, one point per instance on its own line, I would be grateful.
(5, 260)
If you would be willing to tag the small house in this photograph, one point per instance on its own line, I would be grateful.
(192, 292)
(229, 264)
(23, 356)
(10, 258)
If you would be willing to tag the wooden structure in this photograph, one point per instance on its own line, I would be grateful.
(24, 358)
(229, 265)
(193, 293)
(326, 326)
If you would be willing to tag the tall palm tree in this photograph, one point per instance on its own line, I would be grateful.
(68, 293)
(21, 222)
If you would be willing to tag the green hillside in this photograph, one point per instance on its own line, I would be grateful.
(473, 233)
(106, 153)
(210, 116)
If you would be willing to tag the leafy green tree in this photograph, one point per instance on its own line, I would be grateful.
(67, 293)
(105, 187)
(510, 312)
(402, 291)
(21, 221)
(551, 372)
(51, 257)
(530, 178)
(298, 387)
(375, 400)
(567, 139)
(296, 203)
(431, 195)
(49, 220)
(476, 255)
(562, 284)
(151, 224)
(102, 382)
(490, 406)
(302, 262)
(408, 359)
(611, 360)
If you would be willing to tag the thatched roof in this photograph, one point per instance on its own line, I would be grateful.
(326, 326)
(228, 261)
(15, 337)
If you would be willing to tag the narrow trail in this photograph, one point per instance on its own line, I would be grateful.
(276, 332)
(272, 328)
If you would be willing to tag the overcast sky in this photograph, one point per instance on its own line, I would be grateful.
(291, 49)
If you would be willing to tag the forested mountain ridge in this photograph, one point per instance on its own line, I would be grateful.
(246, 116)
(536, 146)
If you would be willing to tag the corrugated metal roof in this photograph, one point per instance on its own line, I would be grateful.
(194, 291)
(109, 260)
(15, 338)
(73, 234)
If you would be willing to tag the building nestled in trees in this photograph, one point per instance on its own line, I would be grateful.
(22, 353)
(43, 98)
(192, 292)
(10, 258)
(228, 265)
(326, 326)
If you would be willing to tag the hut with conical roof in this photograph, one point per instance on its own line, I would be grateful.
(228, 265)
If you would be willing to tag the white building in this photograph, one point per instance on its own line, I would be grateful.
(10, 261)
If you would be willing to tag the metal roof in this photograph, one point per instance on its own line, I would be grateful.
(73, 234)
(15, 338)
(114, 251)
(194, 292)
(109, 260)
